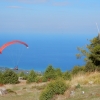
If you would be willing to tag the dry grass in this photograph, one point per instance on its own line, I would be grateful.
(90, 93)
(23, 91)
(86, 79)
(89, 83)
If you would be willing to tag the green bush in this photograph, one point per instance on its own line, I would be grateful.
(54, 87)
(10, 77)
(90, 67)
(67, 75)
(58, 72)
(31, 77)
(10, 91)
(39, 79)
(22, 74)
(44, 79)
(59, 86)
(49, 73)
(78, 69)
(47, 94)
(1, 78)
(77, 86)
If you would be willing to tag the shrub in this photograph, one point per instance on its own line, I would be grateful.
(44, 79)
(49, 73)
(78, 69)
(59, 86)
(31, 77)
(1, 78)
(22, 74)
(10, 77)
(90, 67)
(77, 86)
(54, 87)
(39, 79)
(46, 94)
(10, 91)
(67, 75)
(58, 72)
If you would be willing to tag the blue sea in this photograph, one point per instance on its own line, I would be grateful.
(58, 50)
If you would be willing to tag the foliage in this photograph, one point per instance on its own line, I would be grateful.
(49, 73)
(83, 52)
(54, 87)
(77, 69)
(44, 79)
(92, 54)
(67, 75)
(90, 67)
(59, 86)
(39, 79)
(78, 56)
(58, 72)
(1, 78)
(22, 74)
(94, 78)
(10, 91)
(47, 94)
(77, 86)
(10, 77)
(31, 77)
(95, 55)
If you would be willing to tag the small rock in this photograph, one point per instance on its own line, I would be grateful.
(72, 93)
(3, 91)
(83, 92)
(90, 82)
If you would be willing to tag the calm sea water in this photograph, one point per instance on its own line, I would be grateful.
(58, 50)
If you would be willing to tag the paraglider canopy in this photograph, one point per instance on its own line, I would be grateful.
(0, 52)
(10, 43)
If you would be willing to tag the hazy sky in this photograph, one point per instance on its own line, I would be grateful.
(49, 16)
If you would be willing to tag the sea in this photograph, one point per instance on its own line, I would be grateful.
(58, 50)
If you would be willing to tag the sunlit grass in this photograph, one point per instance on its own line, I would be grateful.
(86, 79)
(88, 82)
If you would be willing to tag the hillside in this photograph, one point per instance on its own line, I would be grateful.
(82, 87)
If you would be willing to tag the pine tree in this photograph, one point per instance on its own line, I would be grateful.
(22, 74)
(92, 54)
(10, 76)
(94, 49)
(31, 77)
(49, 73)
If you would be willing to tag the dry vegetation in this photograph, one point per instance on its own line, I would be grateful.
(82, 87)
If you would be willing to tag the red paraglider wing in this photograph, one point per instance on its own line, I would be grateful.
(12, 42)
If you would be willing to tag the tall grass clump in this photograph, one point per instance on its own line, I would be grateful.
(54, 87)
(86, 79)
(79, 79)
(94, 77)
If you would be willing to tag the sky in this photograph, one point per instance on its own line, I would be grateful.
(53, 29)
(49, 16)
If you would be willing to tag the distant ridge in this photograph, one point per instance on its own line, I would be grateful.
(2, 69)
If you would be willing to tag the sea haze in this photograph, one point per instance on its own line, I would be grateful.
(58, 50)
